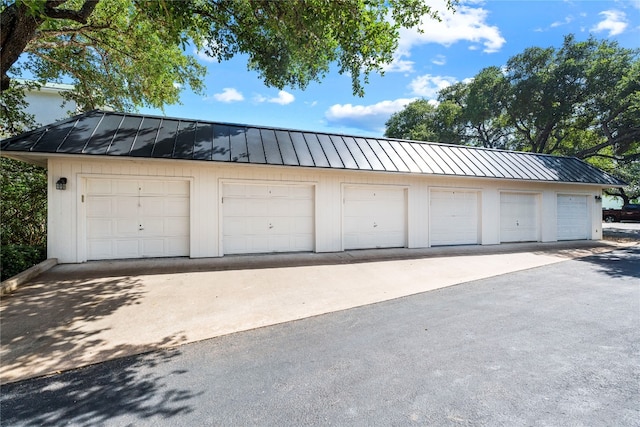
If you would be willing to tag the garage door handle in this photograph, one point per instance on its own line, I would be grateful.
(140, 227)
(270, 226)
(375, 225)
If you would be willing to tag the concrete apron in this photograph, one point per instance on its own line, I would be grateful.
(76, 315)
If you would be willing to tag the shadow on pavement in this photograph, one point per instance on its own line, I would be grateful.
(615, 264)
(44, 322)
(96, 394)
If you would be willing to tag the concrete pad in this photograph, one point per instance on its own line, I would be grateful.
(75, 315)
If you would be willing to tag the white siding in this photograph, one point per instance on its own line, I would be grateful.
(67, 231)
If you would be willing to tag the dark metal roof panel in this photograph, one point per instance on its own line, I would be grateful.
(393, 155)
(166, 140)
(203, 143)
(287, 151)
(56, 136)
(79, 134)
(185, 139)
(382, 155)
(330, 151)
(221, 144)
(237, 142)
(407, 158)
(134, 135)
(369, 155)
(302, 149)
(271, 149)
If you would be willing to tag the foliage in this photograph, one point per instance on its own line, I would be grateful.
(132, 53)
(17, 258)
(630, 173)
(14, 117)
(23, 212)
(23, 216)
(580, 100)
(417, 122)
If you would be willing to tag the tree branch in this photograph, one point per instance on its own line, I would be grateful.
(80, 16)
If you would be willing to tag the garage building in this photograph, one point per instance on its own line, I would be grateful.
(135, 186)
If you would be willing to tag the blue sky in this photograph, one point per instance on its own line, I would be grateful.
(478, 35)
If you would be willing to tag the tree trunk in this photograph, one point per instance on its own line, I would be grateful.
(18, 28)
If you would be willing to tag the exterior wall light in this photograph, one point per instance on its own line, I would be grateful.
(61, 184)
(598, 198)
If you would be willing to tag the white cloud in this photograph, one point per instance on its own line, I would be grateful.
(283, 98)
(203, 56)
(439, 60)
(365, 117)
(615, 22)
(566, 21)
(399, 65)
(228, 94)
(468, 23)
(428, 86)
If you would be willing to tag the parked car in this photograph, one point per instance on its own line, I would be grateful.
(627, 213)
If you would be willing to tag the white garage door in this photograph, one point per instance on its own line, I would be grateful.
(453, 217)
(374, 217)
(267, 218)
(137, 218)
(573, 217)
(518, 217)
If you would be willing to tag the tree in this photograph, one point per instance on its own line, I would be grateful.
(481, 118)
(416, 121)
(131, 53)
(581, 100)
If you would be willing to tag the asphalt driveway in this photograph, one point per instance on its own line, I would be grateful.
(553, 345)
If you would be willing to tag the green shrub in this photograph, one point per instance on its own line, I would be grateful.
(17, 258)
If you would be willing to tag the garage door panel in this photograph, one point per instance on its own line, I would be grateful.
(301, 225)
(99, 227)
(519, 217)
(374, 217)
(573, 217)
(125, 187)
(176, 227)
(99, 187)
(177, 246)
(124, 206)
(125, 227)
(100, 206)
(154, 188)
(153, 247)
(126, 248)
(177, 188)
(267, 218)
(123, 223)
(454, 218)
(101, 248)
(153, 227)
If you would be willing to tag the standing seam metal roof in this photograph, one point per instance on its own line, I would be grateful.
(104, 133)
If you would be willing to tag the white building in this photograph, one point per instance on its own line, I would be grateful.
(133, 186)
(47, 104)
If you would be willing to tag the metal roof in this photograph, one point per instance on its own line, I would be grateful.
(102, 133)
